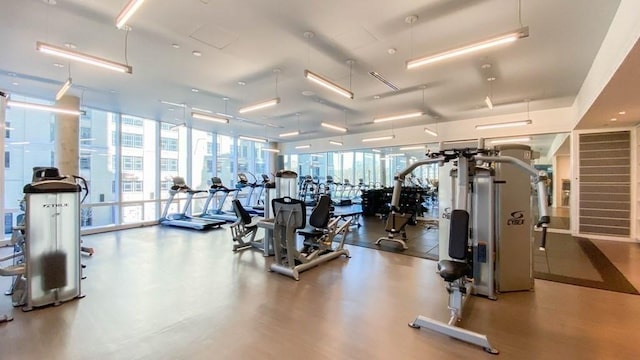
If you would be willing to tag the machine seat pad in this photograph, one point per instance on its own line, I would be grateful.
(453, 270)
(310, 232)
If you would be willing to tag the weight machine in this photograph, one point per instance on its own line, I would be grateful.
(474, 264)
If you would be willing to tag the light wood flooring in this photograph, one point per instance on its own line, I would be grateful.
(168, 293)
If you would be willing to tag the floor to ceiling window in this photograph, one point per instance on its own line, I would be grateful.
(129, 162)
(138, 187)
(29, 142)
(225, 165)
(202, 150)
(97, 164)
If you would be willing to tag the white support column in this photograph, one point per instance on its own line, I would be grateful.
(67, 139)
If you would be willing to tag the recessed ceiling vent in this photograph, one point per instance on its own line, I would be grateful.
(384, 81)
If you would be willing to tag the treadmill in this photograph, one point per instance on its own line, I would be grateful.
(181, 219)
(218, 214)
(243, 182)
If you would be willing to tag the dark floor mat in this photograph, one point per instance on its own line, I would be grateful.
(422, 239)
(569, 260)
(563, 262)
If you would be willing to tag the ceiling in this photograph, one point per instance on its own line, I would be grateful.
(242, 42)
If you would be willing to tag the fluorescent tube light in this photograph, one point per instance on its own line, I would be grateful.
(375, 150)
(398, 117)
(204, 111)
(380, 138)
(19, 143)
(489, 103)
(260, 105)
(173, 104)
(430, 132)
(334, 127)
(249, 138)
(53, 109)
(271, 150)
(333, 142)
(320, 80)
(126, 12)
(481, 45)
(84, 58)
(63, 89)
(394, 155)
(512, 140)
(303, 146)
(421, 147)
(209, 118)
(503, 125)
(88, 139)
(293, 133)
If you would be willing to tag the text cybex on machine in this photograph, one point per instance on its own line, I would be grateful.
(517, 218)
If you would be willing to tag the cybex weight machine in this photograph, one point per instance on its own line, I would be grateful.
(477, 244)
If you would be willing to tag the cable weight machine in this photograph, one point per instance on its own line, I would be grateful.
(474, 264)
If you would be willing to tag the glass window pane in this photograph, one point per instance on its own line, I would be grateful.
(138, 166)
(226, 160)
(201, 165)
(23, 149)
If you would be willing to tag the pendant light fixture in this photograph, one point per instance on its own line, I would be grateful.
(493, 41)
(83, 58)
(322, 80)
(263, 104)
(509, 123)
(63, 90)
(41, 107)
(501, 39)
(126, 12)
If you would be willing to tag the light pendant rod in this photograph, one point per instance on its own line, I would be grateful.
(260, 105)
(63, 90)
(503, 125)
(249, 138)
(127, 12)
(398, 117)
(293, 133)
(216, 119)
(380, 138)
(337, 143)
(271, 150)
(512, 140)
(470, 48)
(430, 132)
(303, 146)
(320, 80)
(489, 103)
(334, 127)
(83, 58)
(53, 109)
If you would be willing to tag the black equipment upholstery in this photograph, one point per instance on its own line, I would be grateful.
(319, 218)
(451, 270)
(241, 212)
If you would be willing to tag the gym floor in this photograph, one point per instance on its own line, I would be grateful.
(169, 293)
